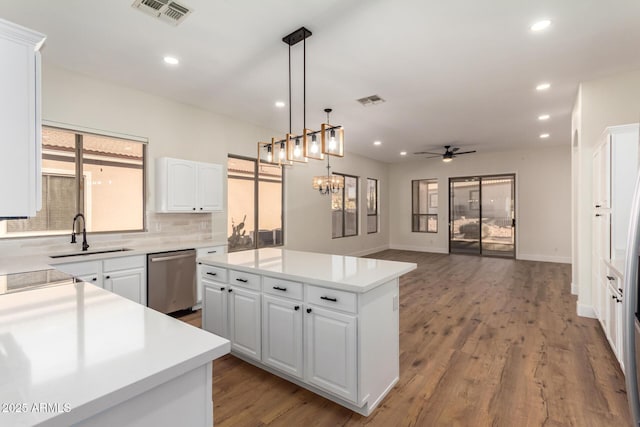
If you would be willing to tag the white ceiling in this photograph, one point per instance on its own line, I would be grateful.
(455, 71)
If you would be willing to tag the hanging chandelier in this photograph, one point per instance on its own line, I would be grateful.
(309, 144)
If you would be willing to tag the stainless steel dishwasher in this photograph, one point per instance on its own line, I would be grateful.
(171, 280)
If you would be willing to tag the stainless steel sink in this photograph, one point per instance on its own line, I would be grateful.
(90, 253)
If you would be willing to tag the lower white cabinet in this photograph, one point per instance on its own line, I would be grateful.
(214, 314)
(124, 276)
(200, 252)
(244, 321)
(282, 334)
(330, 347)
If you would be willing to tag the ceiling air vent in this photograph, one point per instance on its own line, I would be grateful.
(165, 10)
(370, 100)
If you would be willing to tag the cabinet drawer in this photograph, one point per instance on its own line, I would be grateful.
(332, 298)
(246, 280)
(283, 288)
(125, 263)
(210, 250)
(613, 280)
(213, 273)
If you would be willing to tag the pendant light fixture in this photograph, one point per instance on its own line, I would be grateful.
(329, 140)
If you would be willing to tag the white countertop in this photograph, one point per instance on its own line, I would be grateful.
(81, 346)
(43, 261)
(333, 271)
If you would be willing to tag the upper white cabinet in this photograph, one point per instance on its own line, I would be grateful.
(186, 186)
(20, 121)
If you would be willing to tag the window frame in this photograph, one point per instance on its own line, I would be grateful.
(414, 215)
(256, 198)
(78, 133)
(377, 207)
(343, 192)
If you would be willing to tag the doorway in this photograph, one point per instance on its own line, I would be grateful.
(482, 215)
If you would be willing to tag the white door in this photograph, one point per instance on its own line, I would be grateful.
(330, 347)
(209, 187)
(214, 308)
(244, 321)
(181, 185)
(282, 334)
(130, 284)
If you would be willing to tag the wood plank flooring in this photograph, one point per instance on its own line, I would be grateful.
(483, 342)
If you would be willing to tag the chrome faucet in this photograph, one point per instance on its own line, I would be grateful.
(85, 245)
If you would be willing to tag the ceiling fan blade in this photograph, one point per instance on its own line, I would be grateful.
(454, 149)
(428, 152)
(465, 152)
(433, 157)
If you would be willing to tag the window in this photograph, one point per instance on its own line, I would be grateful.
(372, 205)
(424, 216)
(99, 176)
(344, 208)
(254, 200)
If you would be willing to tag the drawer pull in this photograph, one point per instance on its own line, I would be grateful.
(242, 280)
(329, 299)
(611, 277)
(212, 274)
(94, 279)
(222, 289)
(212, 252)
(296, 308)
(107, 277)
(230, 290)
(308, 310)
(278, 288)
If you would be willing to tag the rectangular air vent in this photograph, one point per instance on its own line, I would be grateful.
(370, 100)
(168, 11)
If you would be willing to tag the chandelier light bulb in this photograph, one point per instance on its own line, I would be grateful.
(332, 140)
(269, 157)
(281, 155)
(296, 150)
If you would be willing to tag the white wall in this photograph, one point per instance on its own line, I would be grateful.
(179, 130)
(610, 101)
(543, 199)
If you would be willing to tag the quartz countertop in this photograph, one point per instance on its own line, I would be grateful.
(82, 349)
(43, 261)
(333, 271)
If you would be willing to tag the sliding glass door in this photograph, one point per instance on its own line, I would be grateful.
(482, 215)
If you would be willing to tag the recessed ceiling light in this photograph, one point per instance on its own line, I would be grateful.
(280, 104)
(171, 60)
(543, 117)
(377, 143)
(540, 25)
(543, 86)
(403, 153)
(544, 135)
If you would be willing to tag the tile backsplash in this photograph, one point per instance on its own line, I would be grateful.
(161, 228)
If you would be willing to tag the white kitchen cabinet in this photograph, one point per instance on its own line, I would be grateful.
(244, 321)
(282, 334)
(87, 271)
(20, 121)
(187, 186)
(330, 348)
(130, 284)
(214, 312)
(200, 252)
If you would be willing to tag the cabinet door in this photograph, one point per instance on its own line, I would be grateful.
(94, 279)
(130, 284)
(282, 335)
(612, 319)
(209, 187)
(605, 171)
(181, 185)
(330, 347)
(214, 308)
(244, 321)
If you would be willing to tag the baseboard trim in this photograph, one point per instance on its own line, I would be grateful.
(574, 289)
(586, 311)
(545, 258)
(370, 251)
(419, 249)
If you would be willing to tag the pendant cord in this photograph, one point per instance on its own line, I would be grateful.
(289, 88)
(304, 83)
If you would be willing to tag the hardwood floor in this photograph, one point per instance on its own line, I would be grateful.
(483, 342)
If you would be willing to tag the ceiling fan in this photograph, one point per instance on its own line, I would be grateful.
(448, 155)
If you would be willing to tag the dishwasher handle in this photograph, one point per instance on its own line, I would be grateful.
(171, 257)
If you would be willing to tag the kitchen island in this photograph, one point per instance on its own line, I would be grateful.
(328, 323)
(75, 354)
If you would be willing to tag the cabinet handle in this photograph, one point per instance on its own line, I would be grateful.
(212, 252)
(598, 206)
(620, 290)
(610, 277)
(329, 299)
(278, 288)
(194, 209)
(230, 290)
(296, 308)
(308, 310)
(614, 297)
(242, 280)
(107, 277)
(598, 215)
(200, 208)
(94, 279)
(212, 274)
(619, 299)
(199, 263)
(222, 289)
